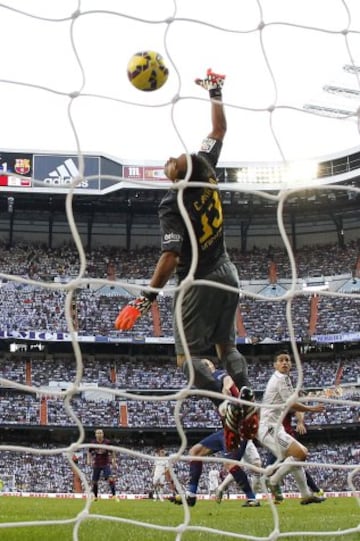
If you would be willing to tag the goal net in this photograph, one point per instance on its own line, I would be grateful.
(291, 95)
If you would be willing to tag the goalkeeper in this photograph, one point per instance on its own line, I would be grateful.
(207, 311)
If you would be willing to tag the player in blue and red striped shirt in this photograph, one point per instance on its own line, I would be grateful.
(101, 460)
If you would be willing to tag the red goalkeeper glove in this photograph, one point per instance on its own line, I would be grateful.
(131, 312)
(213, 82)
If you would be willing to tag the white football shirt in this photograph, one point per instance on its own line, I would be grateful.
(277, 391)
(214, 477)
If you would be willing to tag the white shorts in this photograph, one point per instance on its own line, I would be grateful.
(159, 477)
(251, 455)
(213, 485)
(277, 441)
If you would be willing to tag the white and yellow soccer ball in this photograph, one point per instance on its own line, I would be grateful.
(147, 71)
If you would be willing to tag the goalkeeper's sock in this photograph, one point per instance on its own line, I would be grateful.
(236, 366)
(95, 490)
(203, 378)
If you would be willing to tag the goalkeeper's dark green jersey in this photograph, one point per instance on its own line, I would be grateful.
(205, 211)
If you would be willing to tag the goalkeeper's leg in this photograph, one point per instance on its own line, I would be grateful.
(234, 363)
(240, 420)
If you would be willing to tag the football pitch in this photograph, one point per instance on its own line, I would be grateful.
(129, 520)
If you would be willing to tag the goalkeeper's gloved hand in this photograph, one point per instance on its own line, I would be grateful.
(213, 82)
(133, 310)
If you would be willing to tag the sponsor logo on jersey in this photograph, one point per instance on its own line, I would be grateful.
(171, 237)
(208, 144)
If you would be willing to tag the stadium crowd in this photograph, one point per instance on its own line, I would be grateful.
(28, 307)
(160, 372)
(19, 408)
(149, 374)
(32, 472)
(39, 262)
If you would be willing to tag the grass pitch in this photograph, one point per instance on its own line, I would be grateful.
(129, 520)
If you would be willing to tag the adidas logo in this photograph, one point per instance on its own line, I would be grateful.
(65, 174)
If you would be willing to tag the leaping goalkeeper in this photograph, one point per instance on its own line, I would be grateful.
(208, 312)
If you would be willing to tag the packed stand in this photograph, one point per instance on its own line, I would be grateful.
(26, 307)
(156, 375)
(53, 473)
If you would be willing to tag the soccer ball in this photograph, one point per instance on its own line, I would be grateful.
(147, 71)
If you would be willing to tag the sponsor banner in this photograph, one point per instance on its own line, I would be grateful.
(136, 172)
(15, 163)
(48, 336)
(126, 496)
(44, 336)
(74, 496)
(114, 339)
(133, 172)
(110, 168)
(139, 339)
(100, 338)
(14, 182)
(160, 340)
(154, 173)
(21, 182)
(59, 171)
(339, 337)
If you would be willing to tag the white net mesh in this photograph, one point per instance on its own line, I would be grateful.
(72, 63)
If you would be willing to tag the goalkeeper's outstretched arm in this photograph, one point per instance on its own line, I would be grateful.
(175, 169)
(141, 305)
(214, 82)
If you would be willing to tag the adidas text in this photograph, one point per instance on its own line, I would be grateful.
(63, 181)
(64, 174)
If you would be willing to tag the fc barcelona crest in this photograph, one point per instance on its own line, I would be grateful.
(22, 166)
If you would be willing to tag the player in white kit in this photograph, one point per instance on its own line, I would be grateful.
(159, 476)
(272, 434)
(213, 481)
